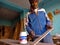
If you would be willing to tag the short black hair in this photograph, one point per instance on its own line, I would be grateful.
(31, 1)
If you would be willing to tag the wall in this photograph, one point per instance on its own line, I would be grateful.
(12, 6)
(5, 23)
(50, 6)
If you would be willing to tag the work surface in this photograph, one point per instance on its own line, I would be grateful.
(16, 42)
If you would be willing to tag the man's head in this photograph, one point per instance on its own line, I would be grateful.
(33, 3)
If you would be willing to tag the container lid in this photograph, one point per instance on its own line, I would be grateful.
(23, 34)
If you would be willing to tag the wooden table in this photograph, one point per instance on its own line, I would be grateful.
(16, 42)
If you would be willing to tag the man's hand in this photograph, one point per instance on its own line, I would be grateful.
(32, 34)
(49, 27)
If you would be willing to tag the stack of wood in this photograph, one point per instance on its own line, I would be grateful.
(7, 32)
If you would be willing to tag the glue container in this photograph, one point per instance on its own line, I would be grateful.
(23, 38)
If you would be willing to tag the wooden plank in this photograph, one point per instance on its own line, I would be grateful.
(17, 31)
(1, 31)
(16, 42)
(7, 32)
(22, 24)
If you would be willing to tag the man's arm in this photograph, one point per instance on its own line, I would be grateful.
(30, 31)
(48, 22)
(28, 26)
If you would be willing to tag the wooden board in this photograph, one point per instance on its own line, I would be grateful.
(17, 31)
(16, 42)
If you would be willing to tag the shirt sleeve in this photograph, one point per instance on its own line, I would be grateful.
(28, 26)
(48, 22)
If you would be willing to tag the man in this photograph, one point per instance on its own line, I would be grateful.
(38, 22)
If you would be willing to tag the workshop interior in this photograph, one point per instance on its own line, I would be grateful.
(12, 14)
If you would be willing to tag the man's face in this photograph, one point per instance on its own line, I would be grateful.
(35, 4)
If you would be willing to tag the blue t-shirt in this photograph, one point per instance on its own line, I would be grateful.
(37, 23)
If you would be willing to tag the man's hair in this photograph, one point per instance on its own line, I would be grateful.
(31, 1)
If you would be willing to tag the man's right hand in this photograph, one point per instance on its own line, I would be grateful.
(32, 34)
